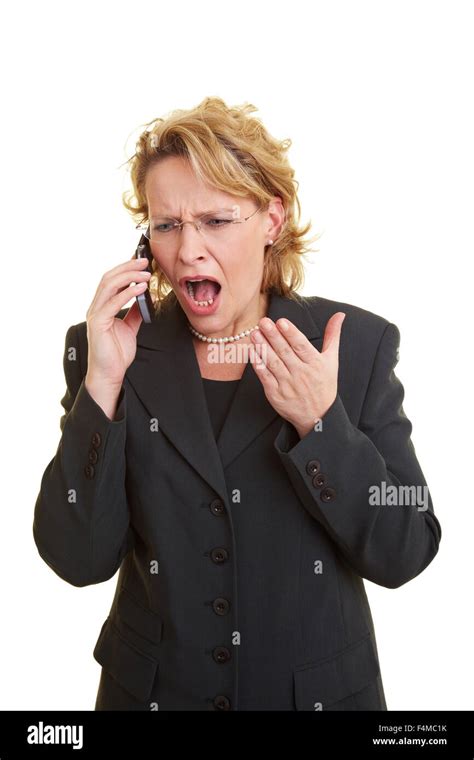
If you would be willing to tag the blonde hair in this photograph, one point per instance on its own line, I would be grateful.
(233, 152)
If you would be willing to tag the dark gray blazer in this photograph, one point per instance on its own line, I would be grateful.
(241, 563)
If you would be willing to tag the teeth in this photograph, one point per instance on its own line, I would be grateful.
(191, 293)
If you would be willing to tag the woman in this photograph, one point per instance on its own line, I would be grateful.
(233, 457)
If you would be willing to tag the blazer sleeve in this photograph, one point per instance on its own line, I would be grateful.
(81, 518)
(334, 472)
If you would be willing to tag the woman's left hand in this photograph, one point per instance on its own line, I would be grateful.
(299, 381)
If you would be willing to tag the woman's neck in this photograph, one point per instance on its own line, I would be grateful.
(228, 361)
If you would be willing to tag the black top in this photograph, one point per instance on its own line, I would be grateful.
(219, 395)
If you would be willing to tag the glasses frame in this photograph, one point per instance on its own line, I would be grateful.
(145, 228)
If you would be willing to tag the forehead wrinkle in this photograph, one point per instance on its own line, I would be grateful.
(198, 214)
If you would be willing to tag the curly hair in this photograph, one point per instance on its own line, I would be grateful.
(233, 152)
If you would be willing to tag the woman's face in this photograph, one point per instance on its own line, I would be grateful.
(233, 258)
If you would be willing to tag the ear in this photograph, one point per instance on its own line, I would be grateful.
(276, 218)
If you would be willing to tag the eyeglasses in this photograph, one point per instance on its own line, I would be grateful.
(215, 225)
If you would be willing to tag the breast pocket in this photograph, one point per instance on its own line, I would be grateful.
(345, 681)
(128, 646)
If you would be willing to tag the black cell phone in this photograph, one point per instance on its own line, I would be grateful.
(145, 303)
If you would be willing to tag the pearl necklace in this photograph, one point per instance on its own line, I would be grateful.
(229, 339)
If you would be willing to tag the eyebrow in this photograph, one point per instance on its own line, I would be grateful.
(199, 213)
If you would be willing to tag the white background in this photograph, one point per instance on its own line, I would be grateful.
(377, 99)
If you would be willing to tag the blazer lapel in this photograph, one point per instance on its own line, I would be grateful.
(166, 377)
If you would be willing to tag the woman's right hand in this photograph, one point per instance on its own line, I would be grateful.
(112, 341)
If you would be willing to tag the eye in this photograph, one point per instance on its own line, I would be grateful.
(163, 226)
(219, 222)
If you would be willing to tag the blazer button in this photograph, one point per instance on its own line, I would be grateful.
(313, 467)
(221, 702)
(319, 480)
(217, 507)
(93, 456)
(221, 654)
(89, 471)
(219, 555)
(96, 440)
(328, 494)
(220, 606)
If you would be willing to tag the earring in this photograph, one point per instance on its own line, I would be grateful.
(270, 242)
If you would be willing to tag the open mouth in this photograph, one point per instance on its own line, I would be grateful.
(203, 291)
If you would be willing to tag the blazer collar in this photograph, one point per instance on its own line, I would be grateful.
(166, 377)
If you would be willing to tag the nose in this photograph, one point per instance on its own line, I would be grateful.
(192, 244)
